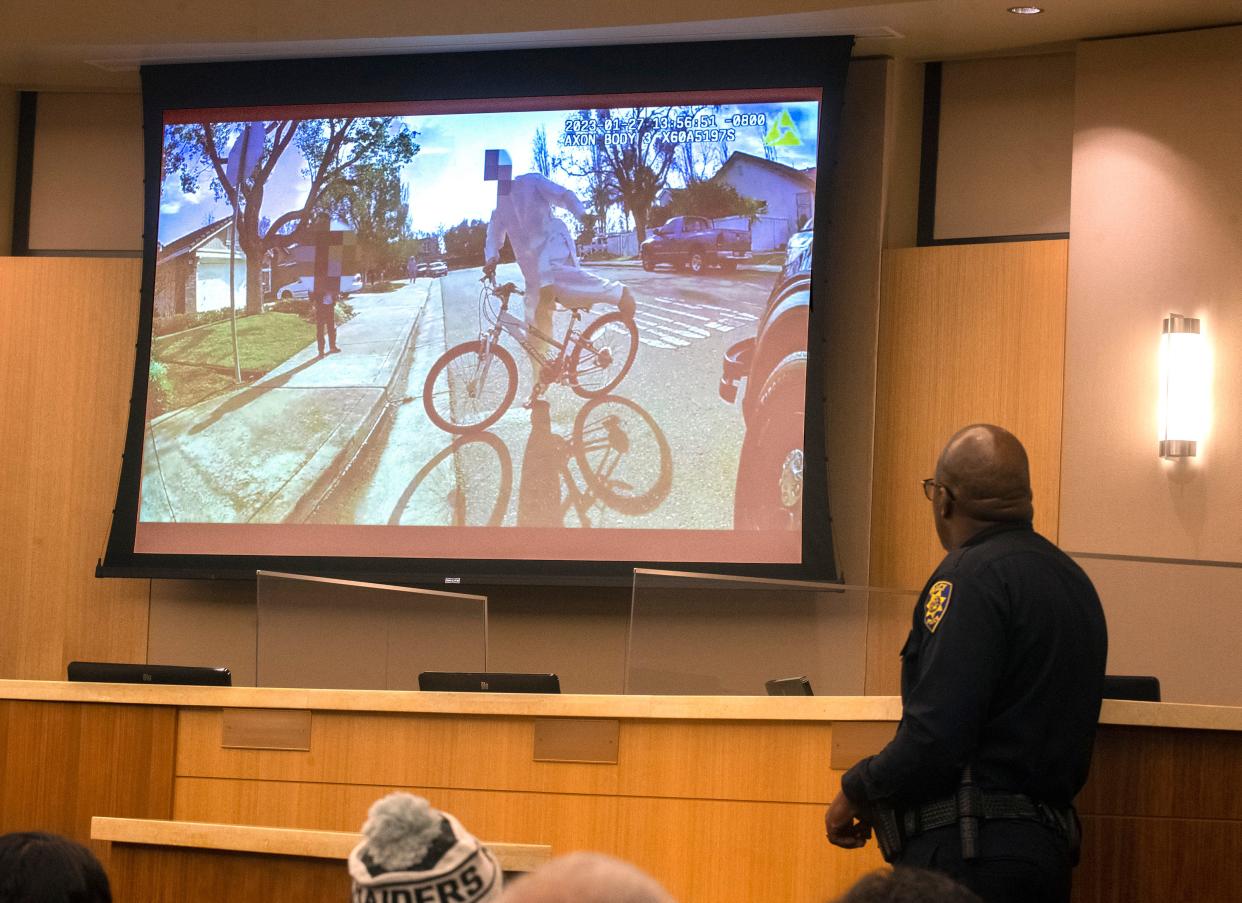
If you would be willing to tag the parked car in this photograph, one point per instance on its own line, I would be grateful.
(301, 287)
(693, 243)
(773, 363)
(437, 268)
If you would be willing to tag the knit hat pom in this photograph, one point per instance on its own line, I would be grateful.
(399, 829)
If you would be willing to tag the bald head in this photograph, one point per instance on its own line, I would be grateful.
(986, 469)
(586, 878)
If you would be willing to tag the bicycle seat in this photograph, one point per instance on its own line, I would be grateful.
(575, 303)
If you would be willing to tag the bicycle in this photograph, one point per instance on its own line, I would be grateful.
(592, 361)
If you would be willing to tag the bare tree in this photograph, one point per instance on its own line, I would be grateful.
(539, 149)
(629, 158)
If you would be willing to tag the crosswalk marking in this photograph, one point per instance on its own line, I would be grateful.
(725, 313)
(683, 329)
(671, 323)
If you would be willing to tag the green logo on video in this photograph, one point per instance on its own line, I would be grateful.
(783, 132)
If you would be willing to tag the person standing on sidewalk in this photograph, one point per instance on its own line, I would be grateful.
(325, 319)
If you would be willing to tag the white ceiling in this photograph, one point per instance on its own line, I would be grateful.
(98, 46)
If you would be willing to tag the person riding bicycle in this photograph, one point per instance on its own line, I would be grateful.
(542, 244)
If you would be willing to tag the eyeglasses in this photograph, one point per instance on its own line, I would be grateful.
(929, 489)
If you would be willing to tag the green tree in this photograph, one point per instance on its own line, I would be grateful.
(329, 148)
(372, 201)
(710, 199)
(463, 243)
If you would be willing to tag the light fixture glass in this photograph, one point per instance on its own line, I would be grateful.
(1183, 387)
(1026, 10)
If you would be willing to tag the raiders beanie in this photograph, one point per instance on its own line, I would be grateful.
(412, 853)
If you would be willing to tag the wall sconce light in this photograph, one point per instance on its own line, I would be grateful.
(1183, 387)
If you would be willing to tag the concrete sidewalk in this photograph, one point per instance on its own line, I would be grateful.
(266, 453)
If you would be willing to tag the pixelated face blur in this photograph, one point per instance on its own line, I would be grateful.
(498, 168)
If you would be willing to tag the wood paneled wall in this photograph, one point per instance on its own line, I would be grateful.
(62, 763)
(66, 364)
(1162, 817)
(968, 333)
(689, 801)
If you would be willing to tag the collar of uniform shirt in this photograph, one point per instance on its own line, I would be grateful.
(1005, 527)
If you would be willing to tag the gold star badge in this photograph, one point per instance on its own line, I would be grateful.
(937, 604)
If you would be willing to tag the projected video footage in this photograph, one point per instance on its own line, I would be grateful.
(483, 329)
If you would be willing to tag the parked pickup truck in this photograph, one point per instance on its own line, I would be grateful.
(693, 243)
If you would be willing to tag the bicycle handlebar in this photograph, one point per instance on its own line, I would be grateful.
(503, 291)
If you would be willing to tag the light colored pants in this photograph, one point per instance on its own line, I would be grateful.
(539, 315)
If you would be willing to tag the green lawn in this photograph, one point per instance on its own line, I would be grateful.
(199, 362)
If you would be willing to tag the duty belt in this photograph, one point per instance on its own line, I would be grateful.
(942, 813)
(894, 827)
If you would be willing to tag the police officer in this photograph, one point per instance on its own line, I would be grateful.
(1001, 681)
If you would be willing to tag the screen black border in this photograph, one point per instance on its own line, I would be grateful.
(816, 62)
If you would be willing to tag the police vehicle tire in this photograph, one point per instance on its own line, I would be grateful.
(648, 264)
(696, 262)
(615, 333)
(449, 377)
(771, 449)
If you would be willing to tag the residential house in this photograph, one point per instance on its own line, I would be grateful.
(192, 272)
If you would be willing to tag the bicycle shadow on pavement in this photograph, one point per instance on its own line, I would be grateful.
(622, 460)
(435, 496)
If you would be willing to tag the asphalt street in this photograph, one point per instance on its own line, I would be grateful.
(661, 451)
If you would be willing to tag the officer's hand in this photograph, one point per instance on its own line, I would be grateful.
(845, 826)
(489, 269)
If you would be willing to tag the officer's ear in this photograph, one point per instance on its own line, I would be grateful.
(945, 503)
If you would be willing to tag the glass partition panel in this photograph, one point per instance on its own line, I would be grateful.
(727, 636)
(340, 634)
(1174, 620)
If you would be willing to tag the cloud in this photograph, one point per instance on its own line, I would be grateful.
(174, 199)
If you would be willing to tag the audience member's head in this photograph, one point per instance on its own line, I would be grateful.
(587, 878)
(907, 885)
(50, 869)
(409, 846)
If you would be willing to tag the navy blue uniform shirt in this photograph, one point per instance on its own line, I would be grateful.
(1003, 670)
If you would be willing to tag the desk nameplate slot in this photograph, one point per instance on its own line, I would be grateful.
(577, 740)
(265, 729)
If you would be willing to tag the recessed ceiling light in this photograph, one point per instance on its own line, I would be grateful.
(1026, 10)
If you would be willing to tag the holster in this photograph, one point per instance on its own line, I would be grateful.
(1065, 822)
(886, 823)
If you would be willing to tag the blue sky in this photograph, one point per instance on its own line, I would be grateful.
(445, 178)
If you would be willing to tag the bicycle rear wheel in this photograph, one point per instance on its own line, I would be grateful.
(603, 355)
(470, 387)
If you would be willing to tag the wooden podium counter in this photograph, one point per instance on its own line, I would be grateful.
(722, 798)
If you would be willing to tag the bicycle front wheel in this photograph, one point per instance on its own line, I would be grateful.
(603, 355)
(470, 387)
